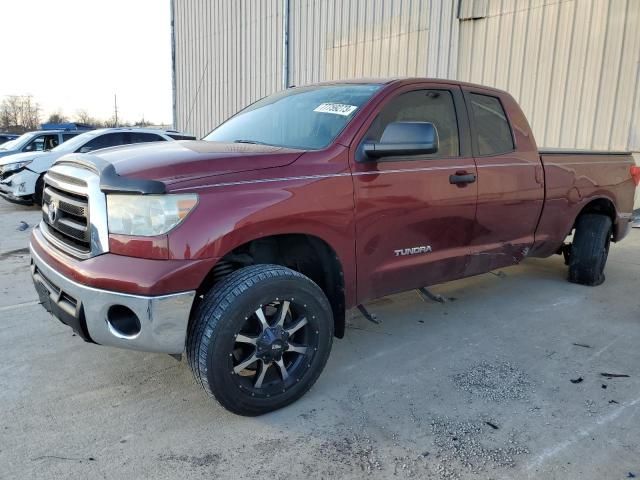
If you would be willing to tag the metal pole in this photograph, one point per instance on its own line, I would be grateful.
(285, 44)
(174, 121)
(115, 108)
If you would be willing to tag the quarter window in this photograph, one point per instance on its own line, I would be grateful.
(143, 137)
(493, 134)
(176, 136)
(435, 106)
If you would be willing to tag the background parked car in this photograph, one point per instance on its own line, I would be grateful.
(21, 174)
(39, 141)
(5, 137)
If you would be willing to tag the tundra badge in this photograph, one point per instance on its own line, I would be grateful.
(413, 250)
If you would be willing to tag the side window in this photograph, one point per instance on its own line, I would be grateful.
(493, 133)
(42, 142)
(35, 145)
(142, 137)
(68, 136)
(435, 106)
(104, 141)
(176, 136)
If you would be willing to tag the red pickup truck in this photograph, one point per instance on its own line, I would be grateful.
(246, 248)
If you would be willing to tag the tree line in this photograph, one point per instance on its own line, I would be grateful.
(21, 113)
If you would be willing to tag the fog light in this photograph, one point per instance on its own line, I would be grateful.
(123, 322)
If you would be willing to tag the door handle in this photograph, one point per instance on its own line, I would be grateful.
(462, 178)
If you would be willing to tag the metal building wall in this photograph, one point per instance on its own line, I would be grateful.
(574, 65)
(340, 39)
(228, 53)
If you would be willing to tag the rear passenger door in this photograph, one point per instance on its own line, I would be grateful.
(510, 181)
(413, 226)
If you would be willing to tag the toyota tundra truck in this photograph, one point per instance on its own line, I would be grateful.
(245, 249)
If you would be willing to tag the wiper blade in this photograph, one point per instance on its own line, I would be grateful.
(253, 142)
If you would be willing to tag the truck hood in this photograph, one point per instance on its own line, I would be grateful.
(171, 162)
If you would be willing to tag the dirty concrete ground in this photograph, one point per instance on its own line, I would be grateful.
(479, 387)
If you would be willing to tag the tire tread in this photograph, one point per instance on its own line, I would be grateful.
(203, 329)
(587, 251)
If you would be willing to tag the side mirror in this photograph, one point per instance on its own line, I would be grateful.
(85, 150)
(404, 139)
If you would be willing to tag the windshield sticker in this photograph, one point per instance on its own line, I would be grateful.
(336, 108)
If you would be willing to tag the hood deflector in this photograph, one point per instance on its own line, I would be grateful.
(110, 181)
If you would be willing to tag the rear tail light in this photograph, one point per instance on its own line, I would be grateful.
(635, 174)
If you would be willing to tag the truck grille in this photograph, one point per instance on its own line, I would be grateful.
(74, 210)
(66, 218)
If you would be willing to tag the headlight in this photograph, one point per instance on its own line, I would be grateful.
(12, 167)
(147, 215)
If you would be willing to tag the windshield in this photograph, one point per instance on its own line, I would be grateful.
(307, 118)
(75, 143)
(11, 144)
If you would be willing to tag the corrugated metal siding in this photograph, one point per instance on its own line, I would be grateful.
(574, 66)
(228, 53)
(341, 39)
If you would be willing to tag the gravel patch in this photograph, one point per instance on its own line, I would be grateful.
(205, 460)
(494, 381)
(472, 446)
(352, 451)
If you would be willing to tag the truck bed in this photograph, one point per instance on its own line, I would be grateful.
(575, 179)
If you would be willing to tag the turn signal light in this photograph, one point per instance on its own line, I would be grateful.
(635, 174)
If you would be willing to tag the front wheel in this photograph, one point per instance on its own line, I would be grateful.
(260, 338)
(38, 194)
(590, 249)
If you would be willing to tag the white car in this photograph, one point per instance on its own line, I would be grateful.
(21, 174)
(38, 141)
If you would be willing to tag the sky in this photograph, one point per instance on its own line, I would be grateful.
(76, 54)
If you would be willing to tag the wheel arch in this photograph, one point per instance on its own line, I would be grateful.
(603, 206)
(305, 253)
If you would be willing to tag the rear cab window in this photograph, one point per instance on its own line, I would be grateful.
(493, 134)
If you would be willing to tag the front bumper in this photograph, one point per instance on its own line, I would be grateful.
(162, 319)
(19, 187)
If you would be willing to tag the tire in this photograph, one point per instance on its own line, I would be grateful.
(590, 249)
(228, 320)
(39, 191)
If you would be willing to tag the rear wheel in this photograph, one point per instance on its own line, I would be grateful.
(590, 249)
(260, 338)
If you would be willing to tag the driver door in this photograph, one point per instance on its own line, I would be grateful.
(414, 226)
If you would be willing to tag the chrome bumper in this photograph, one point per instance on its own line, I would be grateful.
(163, 319)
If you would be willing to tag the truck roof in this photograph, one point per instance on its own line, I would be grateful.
(405, 81)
